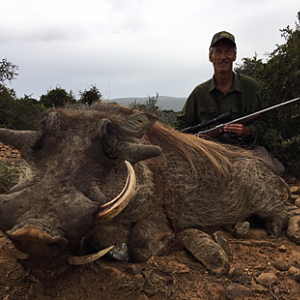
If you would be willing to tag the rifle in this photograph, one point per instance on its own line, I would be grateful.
(224, 119)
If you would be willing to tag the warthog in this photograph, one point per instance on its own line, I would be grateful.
(162, 182)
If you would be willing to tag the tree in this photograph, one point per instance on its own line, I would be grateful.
(279, 78)
(150, 106)
(7, 70)
(280, 75)
(167, 117)
(151, 103)
(7, 98)
(27, 113)
(90, 96)
(21, 114)
(57, 97)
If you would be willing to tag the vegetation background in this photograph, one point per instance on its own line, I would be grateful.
(279, 78)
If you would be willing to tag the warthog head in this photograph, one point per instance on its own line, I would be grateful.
(82, 175)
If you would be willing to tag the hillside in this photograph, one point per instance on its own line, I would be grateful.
(164, 102)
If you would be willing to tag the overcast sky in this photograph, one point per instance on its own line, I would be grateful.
(131, 48)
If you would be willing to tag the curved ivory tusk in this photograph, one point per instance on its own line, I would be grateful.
(13, 253)
(113, 208)
(81, 260)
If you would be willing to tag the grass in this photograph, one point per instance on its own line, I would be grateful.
(10, 175)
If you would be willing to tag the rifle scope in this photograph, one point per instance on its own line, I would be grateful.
(223, 118)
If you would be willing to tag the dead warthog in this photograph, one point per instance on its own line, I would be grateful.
(162, 183)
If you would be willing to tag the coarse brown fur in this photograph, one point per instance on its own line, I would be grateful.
(182, 182)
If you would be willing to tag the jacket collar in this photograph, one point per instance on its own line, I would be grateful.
(236, 85)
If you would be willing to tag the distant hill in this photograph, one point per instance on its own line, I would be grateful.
(163, 102)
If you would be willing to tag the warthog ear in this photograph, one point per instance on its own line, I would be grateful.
(138, 124)
(53, 123)
(104, 126)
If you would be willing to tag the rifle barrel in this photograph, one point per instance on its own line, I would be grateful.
(218, 129)
(264, 110)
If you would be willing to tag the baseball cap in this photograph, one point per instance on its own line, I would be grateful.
(222, 35)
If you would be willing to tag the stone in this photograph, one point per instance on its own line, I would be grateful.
(297, 202)
(282, 249)
(235, 291)
(294, 271)
(293, 211)
(281, 266)
(267, 279)
(241, 229)
(293, 230)
(295, 189)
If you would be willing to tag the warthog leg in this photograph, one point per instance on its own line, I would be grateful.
(151, 237)
(205, 250)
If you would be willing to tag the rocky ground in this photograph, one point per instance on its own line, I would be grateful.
(7, 152)
(261, 267)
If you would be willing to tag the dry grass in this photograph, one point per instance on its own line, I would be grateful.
(11, 174)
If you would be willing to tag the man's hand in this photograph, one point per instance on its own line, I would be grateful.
(238, 129)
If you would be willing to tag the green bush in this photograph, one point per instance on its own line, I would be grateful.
(279, 78)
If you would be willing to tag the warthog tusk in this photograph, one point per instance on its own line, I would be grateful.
(81, 260)
(14, 253)
(114, 207)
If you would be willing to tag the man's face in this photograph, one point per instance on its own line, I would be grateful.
(222, 56)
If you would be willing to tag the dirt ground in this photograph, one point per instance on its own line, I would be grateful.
(178, 276)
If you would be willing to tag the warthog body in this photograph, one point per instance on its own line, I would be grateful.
(78, 164)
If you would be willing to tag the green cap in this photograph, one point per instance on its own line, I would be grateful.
(222, 35)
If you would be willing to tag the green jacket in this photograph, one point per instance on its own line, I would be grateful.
(207, 102)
